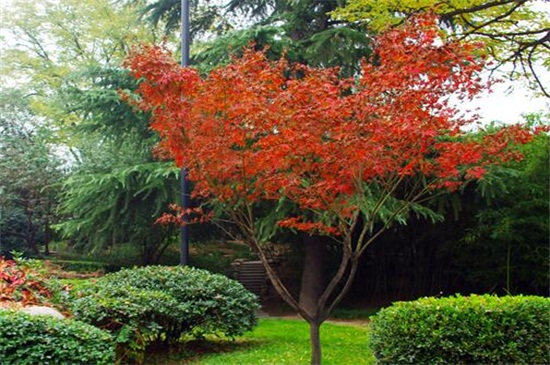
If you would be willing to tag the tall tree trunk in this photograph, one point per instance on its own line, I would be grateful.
(30, 236)
(312, 287)
(47, 237)
(313, 283)
(315, 339)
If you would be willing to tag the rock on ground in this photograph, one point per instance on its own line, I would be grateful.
(36, 310)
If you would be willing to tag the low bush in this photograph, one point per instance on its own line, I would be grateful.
(21, 282)
(26, 339)
(26, 282)
(157, 304)
(463, 330)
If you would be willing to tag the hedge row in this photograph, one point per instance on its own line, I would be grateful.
(464, 330)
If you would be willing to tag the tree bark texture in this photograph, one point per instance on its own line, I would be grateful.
(313, 283)
(315, 339)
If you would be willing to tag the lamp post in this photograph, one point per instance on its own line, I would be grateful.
(184, 233)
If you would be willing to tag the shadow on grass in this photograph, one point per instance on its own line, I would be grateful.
(192, 351)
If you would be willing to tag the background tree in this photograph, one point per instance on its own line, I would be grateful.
(117, 188)
(46, 41)
(303, 30)
(372, 151)
(30, 172)
(486, 223)
(511, 232)
(208, 18)
(516, 32)
(120, 206)
(69, 52)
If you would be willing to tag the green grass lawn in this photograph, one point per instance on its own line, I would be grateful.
(277, 342)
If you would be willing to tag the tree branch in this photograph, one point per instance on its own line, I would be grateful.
(480, 7)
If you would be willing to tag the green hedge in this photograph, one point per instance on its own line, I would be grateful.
(464, 330)
(26, 339)
(85, 266)
(159, 304)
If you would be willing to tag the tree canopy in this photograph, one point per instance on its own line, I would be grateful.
(30, 173)
(513, 31)
(302, 30)
(48, 42)
(68, 55)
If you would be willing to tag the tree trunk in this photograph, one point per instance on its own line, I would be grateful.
(315, 339)
(313, 283)
(47, 237)
(312, 287)
(317, 310)
(32, 245)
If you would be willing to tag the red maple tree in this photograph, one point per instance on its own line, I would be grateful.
(354, 154)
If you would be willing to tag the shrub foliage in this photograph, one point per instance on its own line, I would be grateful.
(26, 339)
(463, 330)
(21, 282)
(159, 304)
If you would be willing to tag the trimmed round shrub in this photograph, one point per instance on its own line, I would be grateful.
(26, 339)
(160, 304)
(463, 330)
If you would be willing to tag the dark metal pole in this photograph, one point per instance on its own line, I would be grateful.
(184, 233)
(185, 38)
